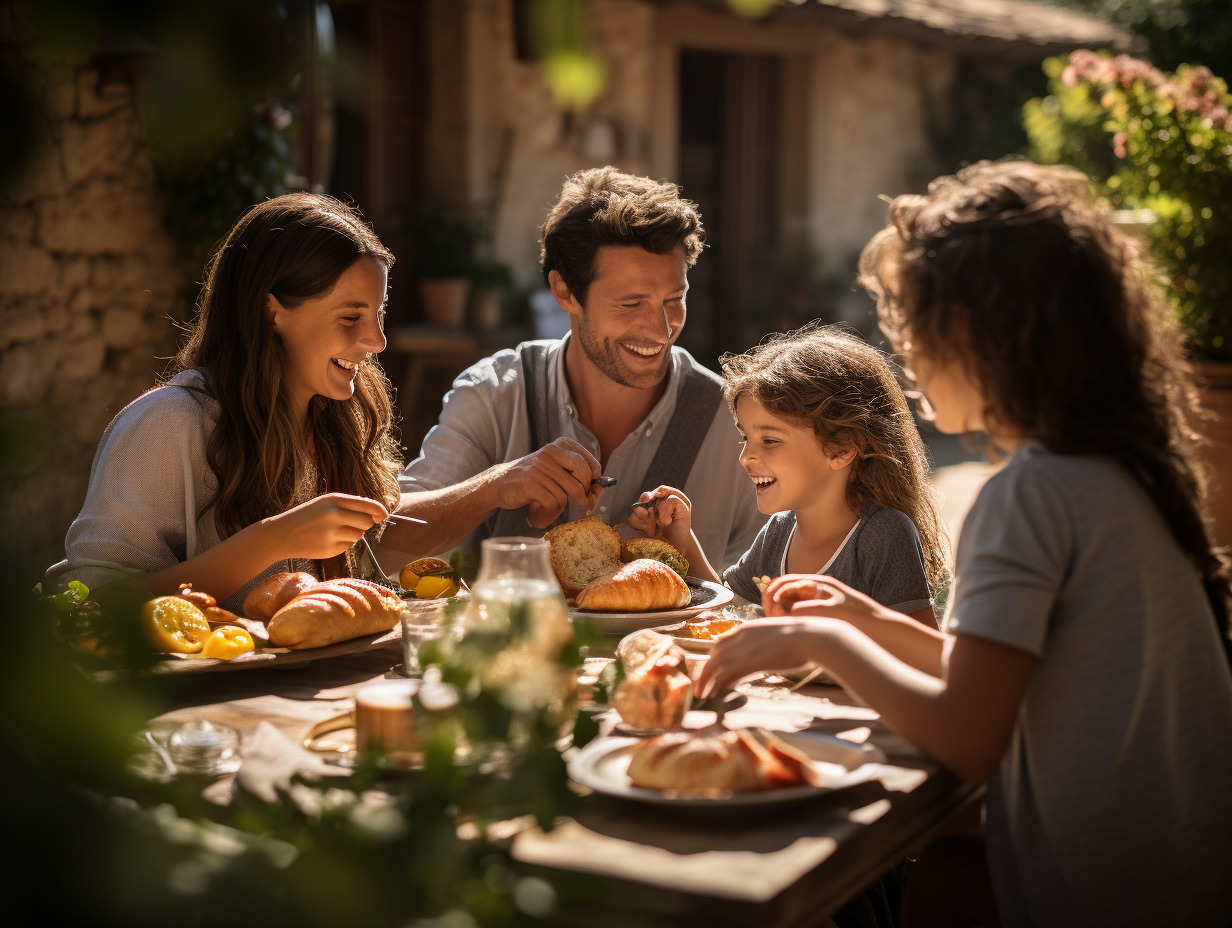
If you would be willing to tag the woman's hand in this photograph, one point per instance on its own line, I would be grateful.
(324, 527)
(670, 518)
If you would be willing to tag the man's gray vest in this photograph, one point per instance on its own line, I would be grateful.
(696, 406)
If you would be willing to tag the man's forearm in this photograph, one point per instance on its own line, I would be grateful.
(450, 513)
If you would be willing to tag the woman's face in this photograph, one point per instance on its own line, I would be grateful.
(954, 403)
(327, 337)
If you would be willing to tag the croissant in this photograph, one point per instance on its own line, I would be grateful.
(717, 760)
(274, 592)
(333, 611)
(641, 585)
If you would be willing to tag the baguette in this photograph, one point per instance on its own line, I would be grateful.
(333, 611)
(641, 585)
(274, 592)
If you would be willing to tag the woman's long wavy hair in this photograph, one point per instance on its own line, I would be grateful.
(1010, 270)
(845, 390)
(295, 247)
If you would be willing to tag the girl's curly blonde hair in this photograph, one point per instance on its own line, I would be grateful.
(832, 381)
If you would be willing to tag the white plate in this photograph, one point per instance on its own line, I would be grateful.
(603, 766)
(703, 595)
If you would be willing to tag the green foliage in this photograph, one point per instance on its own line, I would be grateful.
(250, 164)
(1176, 31)
(380, 848)
(1158, 141)
(443, 239)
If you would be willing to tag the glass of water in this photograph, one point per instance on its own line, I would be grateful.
(422, 620)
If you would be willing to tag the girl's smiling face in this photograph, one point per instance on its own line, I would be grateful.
(786, 462)
(326, 338)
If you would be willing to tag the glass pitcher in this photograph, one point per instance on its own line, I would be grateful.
(518, 643)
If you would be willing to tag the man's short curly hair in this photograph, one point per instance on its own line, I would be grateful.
(604, 206)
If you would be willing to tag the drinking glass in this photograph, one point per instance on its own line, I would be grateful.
(422, 620)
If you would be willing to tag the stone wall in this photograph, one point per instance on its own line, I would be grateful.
(89, 286)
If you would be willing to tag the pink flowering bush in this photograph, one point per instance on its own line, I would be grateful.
(1158, 141)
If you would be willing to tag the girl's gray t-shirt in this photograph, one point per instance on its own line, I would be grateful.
(1113, 802)
(882, 558)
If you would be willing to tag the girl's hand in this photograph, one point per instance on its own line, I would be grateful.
(325, 526)
(817, 595)
(670, 518)
(777, 645)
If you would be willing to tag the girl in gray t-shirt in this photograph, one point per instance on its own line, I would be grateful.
(833, 452)
(1083, 666)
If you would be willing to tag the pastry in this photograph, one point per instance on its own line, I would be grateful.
(717, 760)
(641, 585)
(656, 689)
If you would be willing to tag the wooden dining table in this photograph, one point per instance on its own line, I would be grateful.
(621, 861)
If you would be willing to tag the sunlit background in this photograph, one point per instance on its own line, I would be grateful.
(136, 130)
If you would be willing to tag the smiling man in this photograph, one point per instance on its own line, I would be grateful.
(524, 434)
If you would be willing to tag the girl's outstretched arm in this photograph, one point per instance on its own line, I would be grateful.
(317, 529)
(962, 716)
(904, 636)
(671, 519)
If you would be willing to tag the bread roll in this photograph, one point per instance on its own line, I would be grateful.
(333, 611)
(655, 548)
(274, 592)
(656, 690)
(581, 551)
(642, 585)
(718, 760)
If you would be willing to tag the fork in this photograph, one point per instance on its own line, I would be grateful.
(720, 710)
(376, 565)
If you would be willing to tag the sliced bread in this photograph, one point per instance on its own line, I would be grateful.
(581, 551)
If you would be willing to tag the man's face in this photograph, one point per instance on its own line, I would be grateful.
(634, 312)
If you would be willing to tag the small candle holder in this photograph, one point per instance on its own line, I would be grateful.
(203, 747)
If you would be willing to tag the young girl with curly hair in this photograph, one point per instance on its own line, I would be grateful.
(833, 452)
(1082, 668)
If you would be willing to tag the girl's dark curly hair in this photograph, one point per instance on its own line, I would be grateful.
(1012, 271)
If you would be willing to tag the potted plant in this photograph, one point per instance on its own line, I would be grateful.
(1159, 141)
(491, 285)
(442, 241)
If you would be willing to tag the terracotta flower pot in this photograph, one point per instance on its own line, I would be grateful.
(1215, 389)
(444, 300)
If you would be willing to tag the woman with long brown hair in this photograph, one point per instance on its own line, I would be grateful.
(270, 447)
